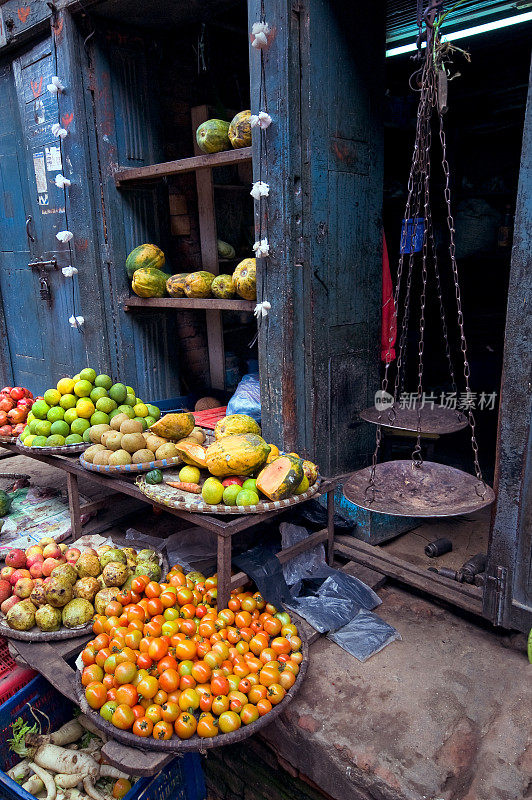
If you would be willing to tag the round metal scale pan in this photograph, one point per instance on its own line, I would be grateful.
(433, 420)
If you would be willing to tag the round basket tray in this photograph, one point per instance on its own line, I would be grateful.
(106, 469)
(8, 440)
(36, 635)
(195, 743)
(187, 501)
(65, 450)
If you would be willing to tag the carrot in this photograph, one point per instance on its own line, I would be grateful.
(194, 488)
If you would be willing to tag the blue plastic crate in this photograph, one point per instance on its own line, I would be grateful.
(173, 404)
(182, 779)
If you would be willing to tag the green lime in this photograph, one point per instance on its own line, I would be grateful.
(55, 441)
(88, 374)
(118, 392)
(141, 410)
(43, 428)
(99, 418)
(113, 414)
(105, 404)
(60, 428)
(130, 390)
(82, 388)
(25, 433)
(68, 401)
(70, 415)
(230, 494)
(38, 441)
(28, 441)
(250, 484)
(130, 400)
(40, 409)
(52, 397)
(97, 392)
(153, 411)
(76, 377)
(74, 438)
(247, 497)
(189, 474)
(103, 380)
(55, 413)
(142, 422)
(149, 421)
(79, 426)
(87, 435)
(30, 417)
(33, 426)
(212, 491)
(126, 410)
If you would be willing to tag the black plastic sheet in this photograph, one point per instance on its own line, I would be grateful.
(365, 635)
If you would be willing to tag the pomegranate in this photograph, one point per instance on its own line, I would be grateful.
(232, 481)
(16, 415)
(6, 430)
(17, 393)
(16, 558)
(6, 390)
(6, 403)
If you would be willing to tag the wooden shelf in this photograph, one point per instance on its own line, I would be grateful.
(208, 303)
(124, 177)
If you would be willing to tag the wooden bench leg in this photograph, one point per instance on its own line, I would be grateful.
(73, 505)
(224, 571)
(330, 526)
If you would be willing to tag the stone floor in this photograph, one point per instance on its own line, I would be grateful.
(443, 714)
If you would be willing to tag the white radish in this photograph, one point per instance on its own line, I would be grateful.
(66, 781)
(68, 733)
(33, 785)
(19, 771)
(91, 790)
(107, 771)
(58, 759)
(89, 725)
(47, 779)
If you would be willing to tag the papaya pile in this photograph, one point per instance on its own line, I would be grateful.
(243, 469)
(243, 282)
(216, 135)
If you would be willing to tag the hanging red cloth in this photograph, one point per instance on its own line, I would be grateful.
(389, 321)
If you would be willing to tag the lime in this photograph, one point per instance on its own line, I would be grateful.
(52, 397)
(189, 474)
(141, 410)
(70, 415)
(82, 388)
(130, 399)
(142, 422)
(79, 426)
(30, 417)
(113, 413)
(130, 390)
(250, 484)
(38, 441)
(33, 426)
(43, 428)
(99, 418)
(60, 428)
(118, 392)
(247, 497)
(68, 401)
(126, 410)
(149, 421)
(230, 494)
(40, 409)
(28, 441)
(25, 433)
(65, 385)
(303, 486)
(103, 380)
(97, 392)
(88, 374)
(212, 491)
(85, 408)
(75, 377)
(153, 411)
(55, 441)
(74, 438)
(87, 435)
(105, 404)
(55, 413)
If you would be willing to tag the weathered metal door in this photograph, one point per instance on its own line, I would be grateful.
(508, 595)
(38, 343)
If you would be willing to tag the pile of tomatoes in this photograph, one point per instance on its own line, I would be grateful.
(164, 661)
(15, 405)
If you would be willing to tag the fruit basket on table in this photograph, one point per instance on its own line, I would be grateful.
(60, 604)
(60, 450)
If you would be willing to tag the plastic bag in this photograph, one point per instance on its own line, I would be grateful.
(261, 564)
(324, 613)
(348, 586)
(365, 635)
(314, 515)
(246, 399)
(305, 564)
(194, 549)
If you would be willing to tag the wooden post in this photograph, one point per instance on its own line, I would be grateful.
(224, 571)
(209, 255)
(330, 526)
(73, 505)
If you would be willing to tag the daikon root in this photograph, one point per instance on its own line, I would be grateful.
(68, 733)
(91, 790)
(33, 785)
(58, 759)
(66, 781)
(107, 771)
(19, 771)
(89, 725)
(47, 779)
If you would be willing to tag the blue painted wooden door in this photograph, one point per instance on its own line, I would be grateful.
(39, 345)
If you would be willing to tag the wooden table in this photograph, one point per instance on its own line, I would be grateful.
(224, 527)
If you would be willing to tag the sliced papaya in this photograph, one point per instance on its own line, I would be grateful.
(280, 478)
(192, 454)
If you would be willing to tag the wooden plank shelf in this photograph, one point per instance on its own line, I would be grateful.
(123, 177)
(208, 303)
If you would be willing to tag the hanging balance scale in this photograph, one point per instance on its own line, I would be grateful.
(416, 487)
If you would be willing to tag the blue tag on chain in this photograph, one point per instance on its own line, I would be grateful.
(412, 235)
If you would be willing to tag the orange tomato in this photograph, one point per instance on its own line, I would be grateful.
(157, 649)
(125, 672)
(148, 687)
(113, 609)
(229, 721)
(170, 711)
(207, 727)
(169, 680)
(91, 674)
(272, 626)
(220, 704)
(123, 717)
(153, 628)
(167, 599)
(201, 672)
(162, 730)
(143, 727)
(96, 694)
(185, 649)
(154, 607)
(88, 656)
(160, 698)
(127, 694)
(185, 725)
(152, 589)
(287, 679)
(276, 693)
(219, 685)
(101, 641)
(189, 700)
(257, 693)
(264, 706)
(243, 619)
(249, 714)
(153, 713)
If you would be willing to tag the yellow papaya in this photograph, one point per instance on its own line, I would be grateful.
(235, 423)
(280, 478)
(174, 426)
(238, 454)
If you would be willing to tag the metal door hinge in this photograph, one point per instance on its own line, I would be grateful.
(500, 582)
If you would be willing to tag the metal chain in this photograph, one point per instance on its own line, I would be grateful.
(463, 343)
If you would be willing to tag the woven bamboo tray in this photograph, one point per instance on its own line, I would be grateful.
(106, 469)
(64, 450)
(36, 635)
(195, 743)
(187, 501)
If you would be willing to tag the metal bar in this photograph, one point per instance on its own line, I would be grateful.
(182, 165)
(73, 505)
